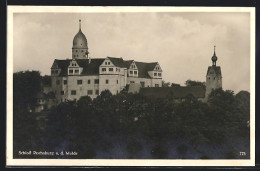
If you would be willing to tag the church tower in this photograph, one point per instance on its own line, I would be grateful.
(214, 77)
(80, 45)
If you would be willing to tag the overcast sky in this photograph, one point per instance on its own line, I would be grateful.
(182, 43)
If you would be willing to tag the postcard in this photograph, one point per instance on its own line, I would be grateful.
(130, 86)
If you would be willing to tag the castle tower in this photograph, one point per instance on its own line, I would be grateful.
(214, 77)
(80, 45)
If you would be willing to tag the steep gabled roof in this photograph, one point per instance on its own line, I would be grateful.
(216, 69)
(63, 65)
(143, 68)
(176, 92)
(92, 67)
(118, 62)
(128, 63)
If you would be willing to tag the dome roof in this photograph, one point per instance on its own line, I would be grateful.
(214, 58)
(80, 40)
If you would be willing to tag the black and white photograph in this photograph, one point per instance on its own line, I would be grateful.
(130, 86)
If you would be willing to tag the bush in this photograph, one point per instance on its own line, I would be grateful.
(133, 146)
(204, 157)
(159, 151)
(182, 150)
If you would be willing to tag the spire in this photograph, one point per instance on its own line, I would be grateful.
(80, 24)
(214, 57)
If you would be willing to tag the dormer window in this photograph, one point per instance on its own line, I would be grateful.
(155, 74)
(71, 71)
(159, 74)
(76, 71)
(110, 69)
(135, 72)
(103, 69)
(131, 72)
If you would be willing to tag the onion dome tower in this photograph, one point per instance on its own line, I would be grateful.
(213, 77)
(80, 45)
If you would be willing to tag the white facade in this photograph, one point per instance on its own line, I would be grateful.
(82, 76)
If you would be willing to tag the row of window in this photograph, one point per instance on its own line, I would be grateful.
(74, 92)
(79, 50)
(133, 72)
(79, 82)
(110, 69)
(158, 74)
(157, 68)
(132, 66)
(213, 78)
(76, 71)
(107, 63)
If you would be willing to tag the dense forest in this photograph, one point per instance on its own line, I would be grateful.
(131, 125)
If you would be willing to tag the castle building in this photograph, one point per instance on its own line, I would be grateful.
(82, 75)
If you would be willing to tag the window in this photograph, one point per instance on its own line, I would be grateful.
(156, 85)
(58, 82)
(209, 78)
(71, 71)
(65, 82)
(131, 72)
(116, 69)
(56, 71)
(61, 92)
(88, 81)
(76, 71)
(105, 63)
(103, 69)
(110, 69)
(135, 72)
(117, 81)
(96, 81)
(81, 50)
(142, 83)
(132, 82)
(159, 74)
(107, 81)
(214, 78)
(108, 63)
(90, 92)
(79, 82)
(155, 74)
(73, 92)
(52, 71)
(97, 92)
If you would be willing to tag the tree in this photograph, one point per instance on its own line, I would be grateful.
(46, 80)
(175, 85)
(26, 86)
(194, 83)
(165, 84)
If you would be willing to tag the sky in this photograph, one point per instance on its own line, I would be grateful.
(182, 43)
